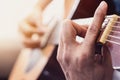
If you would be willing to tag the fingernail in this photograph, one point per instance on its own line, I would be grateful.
(103, 3)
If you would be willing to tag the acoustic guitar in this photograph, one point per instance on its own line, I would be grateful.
(84, 9)
(48, 68)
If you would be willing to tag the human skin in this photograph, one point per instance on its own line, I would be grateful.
(78, 60)
(32, 24)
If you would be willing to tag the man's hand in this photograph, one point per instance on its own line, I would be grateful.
(78, 60)
(31, 29)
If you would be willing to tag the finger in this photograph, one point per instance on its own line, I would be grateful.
(80, 29)
(28, 42)
(28, 29)
(70, 30)
(94, 28)
(37, 17)
(68, 35)
(31, 42)
(30, 20)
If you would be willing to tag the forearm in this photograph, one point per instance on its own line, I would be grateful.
(42, 4)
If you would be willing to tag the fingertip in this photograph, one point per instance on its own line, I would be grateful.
(94, 28)
(102, 7)
(103, 3)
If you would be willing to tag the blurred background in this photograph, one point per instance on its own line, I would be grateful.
(11, 12)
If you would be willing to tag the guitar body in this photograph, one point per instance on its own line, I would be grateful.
(85, 9)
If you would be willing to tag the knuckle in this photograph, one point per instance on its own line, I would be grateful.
(66, 57)
(66, 24)
(58, 58)
(93, 29)
(59, 54)
(64, 27)
(65, 30)
(67, 21)
(63, 56)
(100, 12)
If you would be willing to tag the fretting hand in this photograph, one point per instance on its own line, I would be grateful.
(78, 60)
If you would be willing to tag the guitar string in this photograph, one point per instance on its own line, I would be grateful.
(115, 31)
(106, 21)
(112, 36)
(110, 41)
